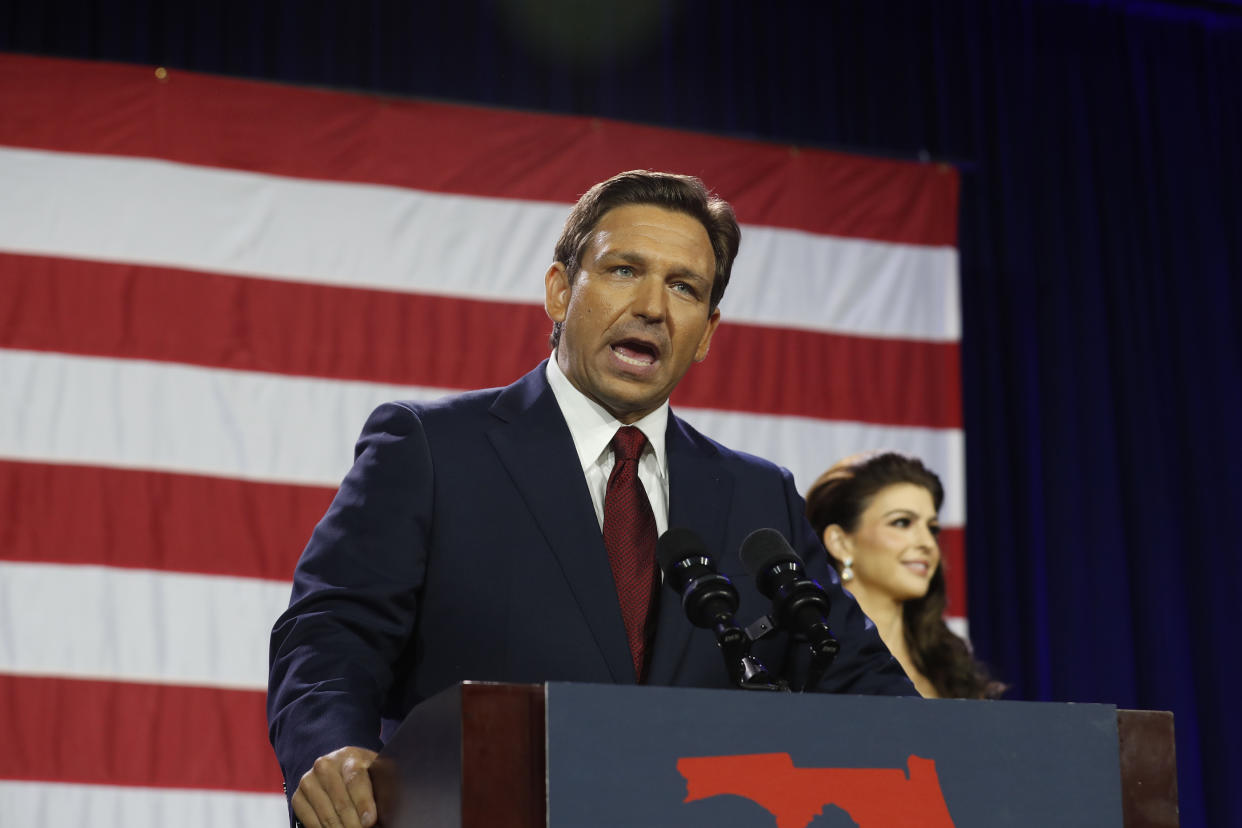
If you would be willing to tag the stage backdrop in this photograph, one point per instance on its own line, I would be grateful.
(207, 284)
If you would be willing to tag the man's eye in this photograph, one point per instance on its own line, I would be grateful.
(623, 270)
(685, 287)
(901, 523)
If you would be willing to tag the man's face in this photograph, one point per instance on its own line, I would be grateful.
(637, 313)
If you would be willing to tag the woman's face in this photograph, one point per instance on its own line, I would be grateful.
(894, 545)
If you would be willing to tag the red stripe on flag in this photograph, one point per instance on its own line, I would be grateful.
(205, 525)
(953, 559)
(155, 520)
(800, 373)
(148, 735)
(310, 133)
(139, 312)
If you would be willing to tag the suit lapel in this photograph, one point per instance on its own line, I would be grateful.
(700, 497)
(535, 446)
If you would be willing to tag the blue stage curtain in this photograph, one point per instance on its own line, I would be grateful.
(1102, 361)
(1101, 251)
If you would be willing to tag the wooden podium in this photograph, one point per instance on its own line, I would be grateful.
(476, 756)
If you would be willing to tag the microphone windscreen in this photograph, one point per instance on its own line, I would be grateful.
(676, 544)
(764, 548)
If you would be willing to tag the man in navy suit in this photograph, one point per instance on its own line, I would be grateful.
(471, 539)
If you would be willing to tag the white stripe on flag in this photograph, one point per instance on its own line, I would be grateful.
(96, 622)
(59, 805)
(155, 212)
(170, 417)
(253, 426)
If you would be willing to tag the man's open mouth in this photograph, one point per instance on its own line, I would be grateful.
(636, 352)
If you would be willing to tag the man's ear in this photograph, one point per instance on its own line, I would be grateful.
(837, 543)
(705, 343)
(556, 292)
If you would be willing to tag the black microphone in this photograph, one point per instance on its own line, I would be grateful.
(799, 604)
(710, 599)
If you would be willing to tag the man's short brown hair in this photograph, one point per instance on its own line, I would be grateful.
(683, 193)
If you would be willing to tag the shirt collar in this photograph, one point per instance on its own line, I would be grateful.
(592, 427)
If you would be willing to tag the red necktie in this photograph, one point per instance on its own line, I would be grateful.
(630, 537)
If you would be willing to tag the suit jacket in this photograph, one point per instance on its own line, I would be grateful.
(463, 545)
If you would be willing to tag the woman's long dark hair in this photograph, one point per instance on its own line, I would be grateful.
(840, 496)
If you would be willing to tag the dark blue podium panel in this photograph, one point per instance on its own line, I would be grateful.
(657, 756)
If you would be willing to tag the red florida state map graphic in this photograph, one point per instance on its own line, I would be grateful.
(873, 797)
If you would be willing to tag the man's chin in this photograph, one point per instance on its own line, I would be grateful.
(629, 408)
(625, 394)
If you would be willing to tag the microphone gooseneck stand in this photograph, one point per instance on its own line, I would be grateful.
(710, 601)
(799, 604)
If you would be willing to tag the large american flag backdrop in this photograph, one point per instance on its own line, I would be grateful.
(205, 286)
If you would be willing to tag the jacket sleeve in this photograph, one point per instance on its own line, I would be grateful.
(355, 593)
(864, 665)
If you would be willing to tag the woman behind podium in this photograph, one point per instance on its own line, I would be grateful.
(878, 515)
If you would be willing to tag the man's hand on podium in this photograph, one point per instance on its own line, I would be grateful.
(336, 791)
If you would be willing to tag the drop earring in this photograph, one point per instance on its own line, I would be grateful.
(847, 572)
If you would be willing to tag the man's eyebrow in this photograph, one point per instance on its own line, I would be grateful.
(686, 273)
(627, 255)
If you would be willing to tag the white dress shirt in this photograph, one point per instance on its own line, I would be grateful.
(592, 429)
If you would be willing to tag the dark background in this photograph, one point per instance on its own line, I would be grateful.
(1101, 256)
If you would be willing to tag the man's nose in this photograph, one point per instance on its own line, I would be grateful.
(649, 299)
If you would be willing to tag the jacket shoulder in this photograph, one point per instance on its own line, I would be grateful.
(468, 406)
